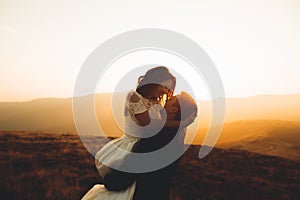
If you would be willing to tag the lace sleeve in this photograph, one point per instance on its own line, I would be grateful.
(136, 104)
(136, 107)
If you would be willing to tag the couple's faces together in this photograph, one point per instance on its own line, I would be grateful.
(164, 97)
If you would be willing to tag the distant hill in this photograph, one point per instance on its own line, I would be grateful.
(50, 114)
(54, 114)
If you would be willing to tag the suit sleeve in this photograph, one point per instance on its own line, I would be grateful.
(117, 180)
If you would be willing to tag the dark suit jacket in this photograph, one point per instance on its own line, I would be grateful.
(151, 185)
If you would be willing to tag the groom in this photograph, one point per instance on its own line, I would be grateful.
(156, 184)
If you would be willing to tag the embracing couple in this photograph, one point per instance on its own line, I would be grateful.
(153, 118)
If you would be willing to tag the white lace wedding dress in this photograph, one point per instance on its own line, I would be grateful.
(110, 153)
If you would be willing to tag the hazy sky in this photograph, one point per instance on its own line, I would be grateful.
(254, 44)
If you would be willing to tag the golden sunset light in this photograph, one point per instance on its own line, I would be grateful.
(44, 44)
(149, 100)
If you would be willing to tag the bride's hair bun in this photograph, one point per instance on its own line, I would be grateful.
(157, 75)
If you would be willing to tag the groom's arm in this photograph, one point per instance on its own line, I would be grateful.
(117, 180)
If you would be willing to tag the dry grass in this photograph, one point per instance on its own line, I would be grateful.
(57, 166)
(45, 166)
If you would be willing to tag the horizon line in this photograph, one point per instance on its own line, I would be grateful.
(103, 93)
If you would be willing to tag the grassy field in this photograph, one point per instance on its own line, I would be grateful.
(57, 166)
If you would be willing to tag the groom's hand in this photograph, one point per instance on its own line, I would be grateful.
(117, 180)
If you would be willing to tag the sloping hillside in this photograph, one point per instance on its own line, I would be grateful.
(271, 137)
